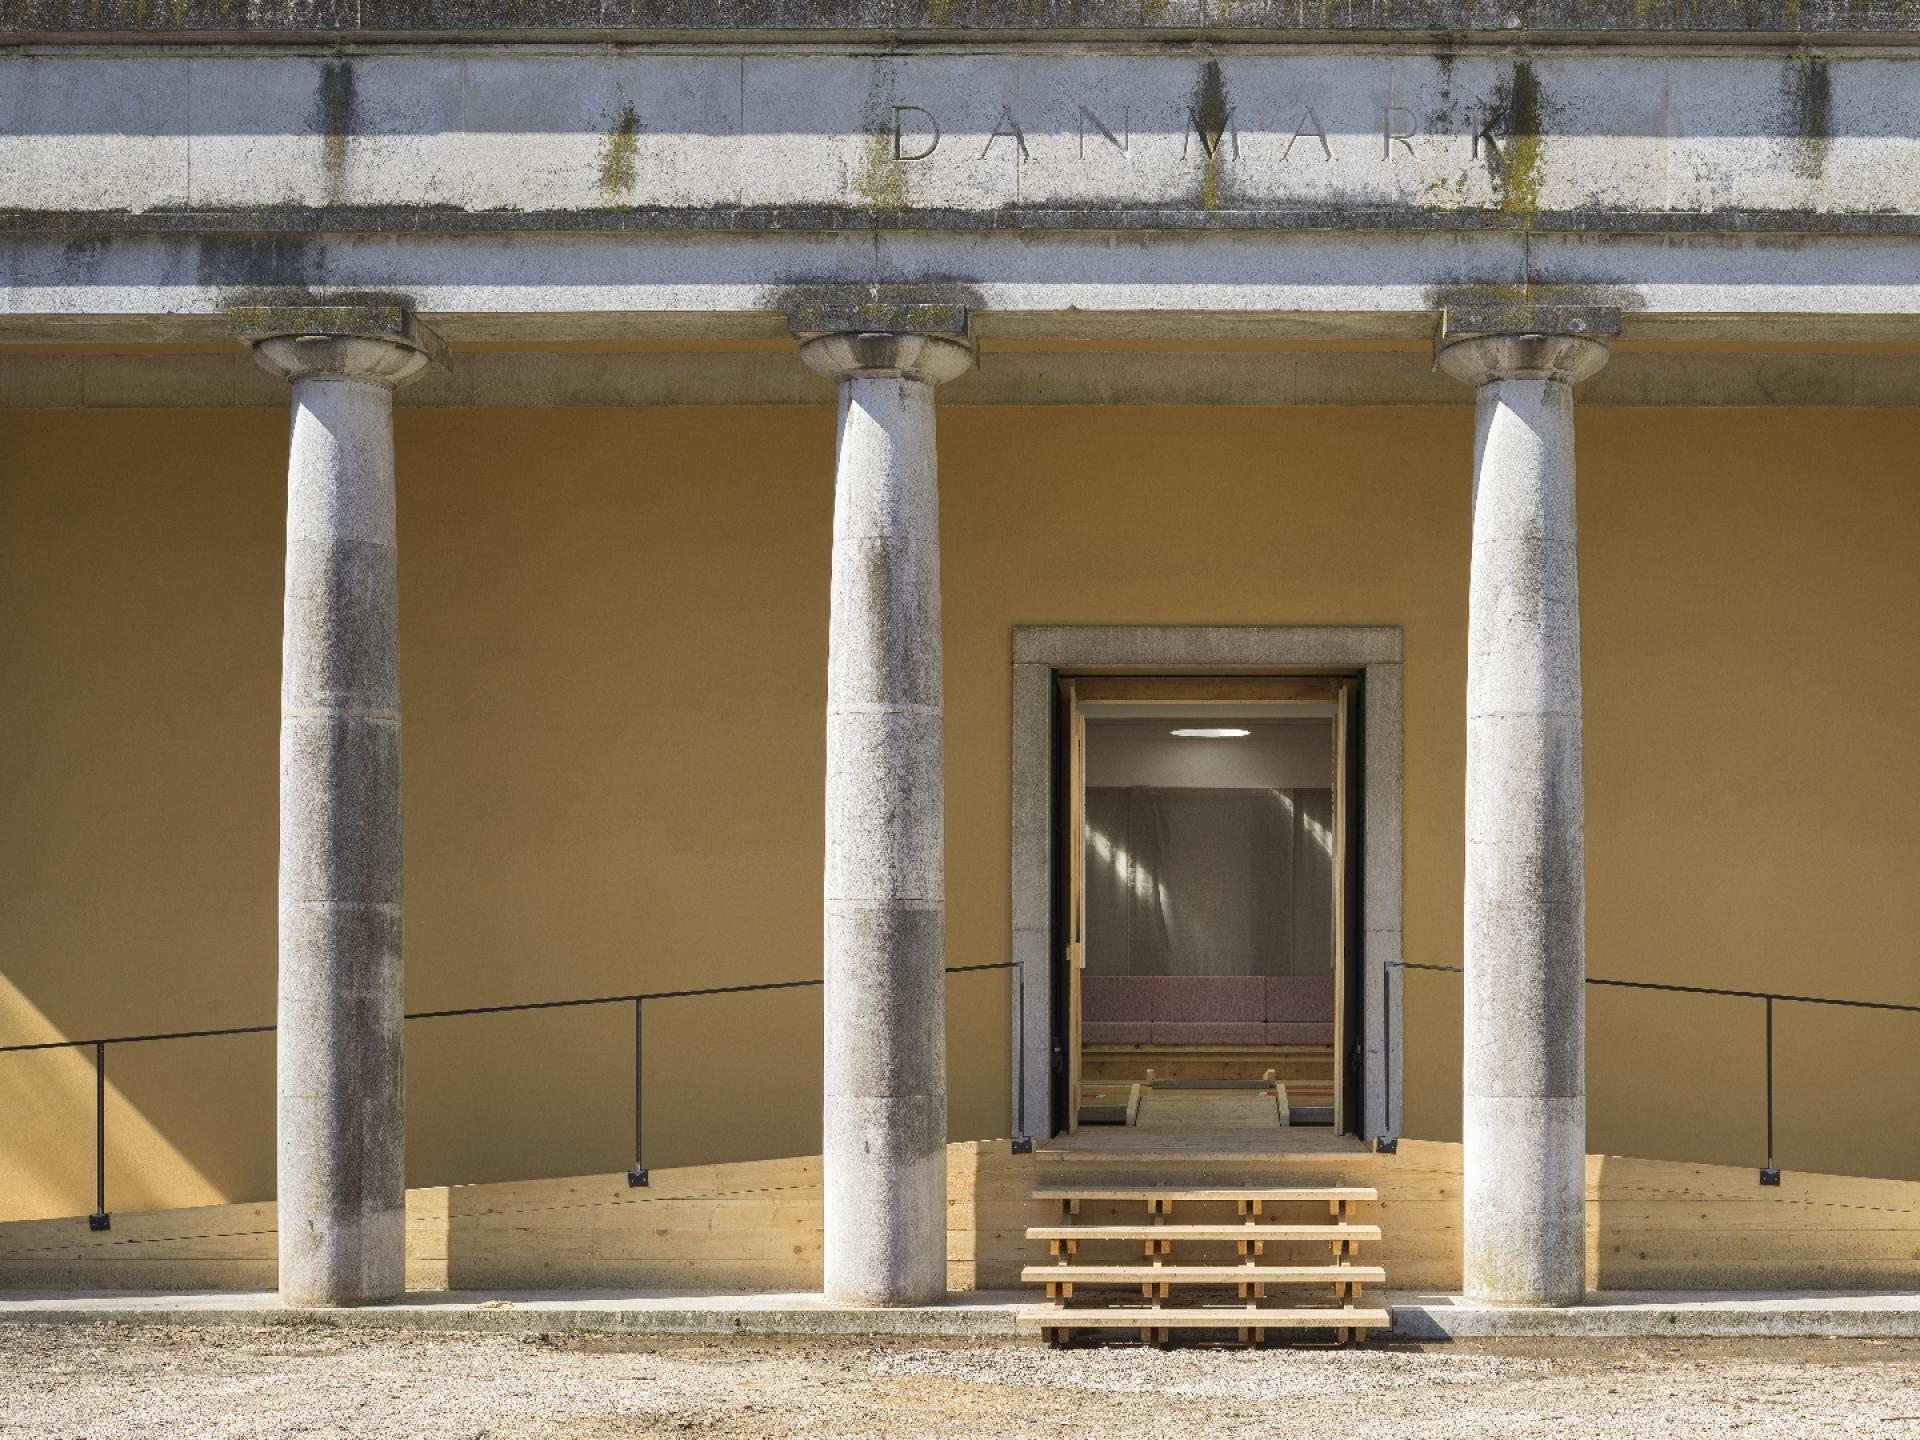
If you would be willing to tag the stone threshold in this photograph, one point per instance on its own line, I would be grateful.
(986, 1315)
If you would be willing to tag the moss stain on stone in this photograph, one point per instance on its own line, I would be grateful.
(881, 183)
(1210, 116)
(1514, 163)
(1808, 101)
(332, 117)
(619, 155)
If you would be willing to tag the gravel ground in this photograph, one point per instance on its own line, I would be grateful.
(101, 1383)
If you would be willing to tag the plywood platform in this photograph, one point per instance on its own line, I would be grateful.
(1206, 1122)
(1312, 1144)
(1201, 1137)
(1158, 1195)
(756, 1224)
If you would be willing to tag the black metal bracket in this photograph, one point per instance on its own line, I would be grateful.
(100, 1220)
(1770, 1176)
(1386, 1145)
(1022, 1145)
(636, 1179)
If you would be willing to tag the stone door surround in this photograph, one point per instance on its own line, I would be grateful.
(1041, 653)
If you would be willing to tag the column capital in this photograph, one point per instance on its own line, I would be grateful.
(932, 358)
(1568, 343)
(382, 343)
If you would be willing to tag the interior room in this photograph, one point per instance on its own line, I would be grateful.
(1210, 902)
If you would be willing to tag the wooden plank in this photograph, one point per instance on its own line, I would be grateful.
(1223, 1317)
(1260, 1231)
(1651, 1224)
(1224, 1192)
(171, 1229)
(137, 1273)
(1209, 1274)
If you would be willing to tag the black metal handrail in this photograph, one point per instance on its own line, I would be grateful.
(1770, 1172)
(101, 1218)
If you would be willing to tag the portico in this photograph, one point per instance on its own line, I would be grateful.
(758, 219)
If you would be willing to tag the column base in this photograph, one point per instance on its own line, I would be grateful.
(1523, 1200)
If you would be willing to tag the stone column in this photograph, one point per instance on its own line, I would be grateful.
(342, 1175)
(1524, 1118)
(885, 1120)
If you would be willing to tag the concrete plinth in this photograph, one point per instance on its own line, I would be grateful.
(342, 1177)
(885, 1116)
(1525, 1063)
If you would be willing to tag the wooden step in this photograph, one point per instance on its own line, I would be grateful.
(1220, 1317)
(1204, 1274)
(1224, 1231)
(1279, 1193)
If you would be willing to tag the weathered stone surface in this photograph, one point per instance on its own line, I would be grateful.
(1139, 285)
(1524, 1083)
(756, 20)
(342, 1123)
(1099, 377)
(1382, 1031)
(1591, 139)
(885, 1067)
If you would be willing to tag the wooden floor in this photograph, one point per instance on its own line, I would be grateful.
(1210, 1123)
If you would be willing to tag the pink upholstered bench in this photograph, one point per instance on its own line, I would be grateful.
(1116, 1010)
(1206, 1010)
(1299, 1010)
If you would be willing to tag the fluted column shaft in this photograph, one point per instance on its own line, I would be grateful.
(885, 1112)
(1525, 1050)
(341, 1124)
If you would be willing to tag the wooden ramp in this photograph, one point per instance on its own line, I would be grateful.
(1217, 1290)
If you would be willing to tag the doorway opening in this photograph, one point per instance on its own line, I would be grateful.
(1208, 887)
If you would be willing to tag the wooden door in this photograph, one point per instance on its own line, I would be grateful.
(1341, 719)
(1076, 917)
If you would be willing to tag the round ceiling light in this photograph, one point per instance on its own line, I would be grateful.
(1213, 733)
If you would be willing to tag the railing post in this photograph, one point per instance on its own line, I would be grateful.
(1770, 1173)
(637, 1176)
(100, 1219)
(1022, 1141)
(1389, 977)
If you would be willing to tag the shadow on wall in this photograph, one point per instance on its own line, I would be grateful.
(188, 1122)
(191, 1122)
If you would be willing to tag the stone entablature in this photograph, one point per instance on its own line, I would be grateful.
(1622, 20)
(1369, 139)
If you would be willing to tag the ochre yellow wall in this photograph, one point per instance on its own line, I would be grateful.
(613, 668)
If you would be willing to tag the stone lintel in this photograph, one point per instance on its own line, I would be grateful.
(370, 320)
(1497, 21)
